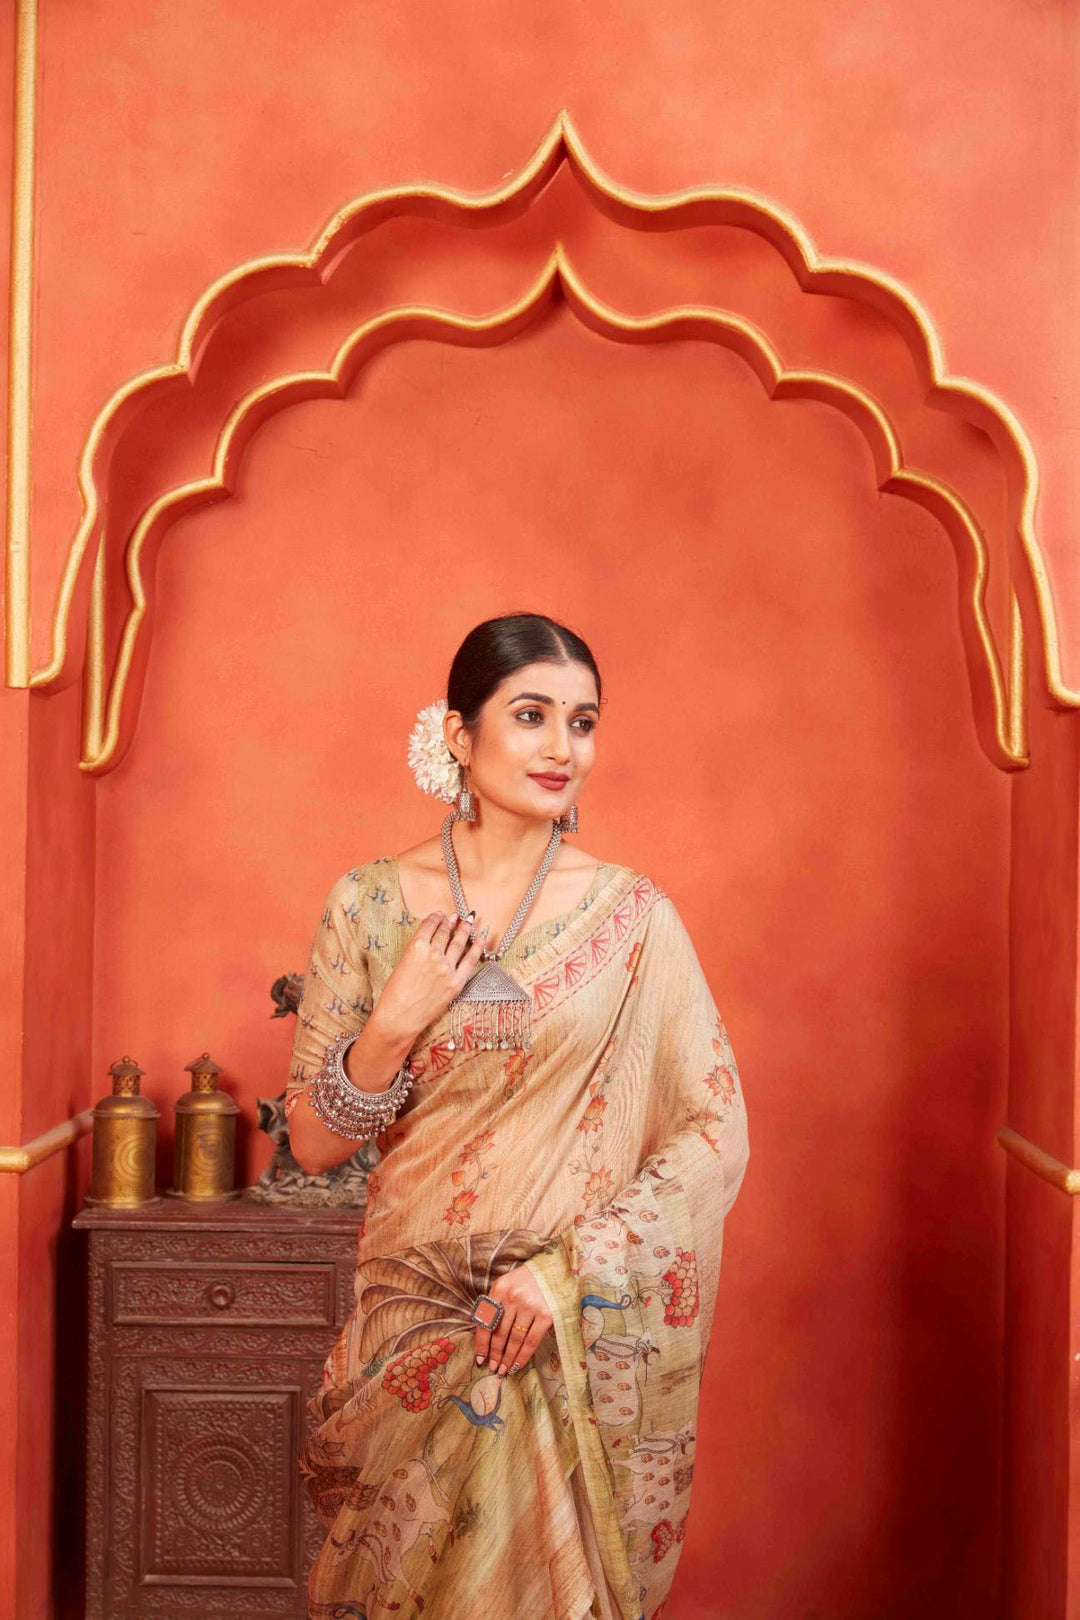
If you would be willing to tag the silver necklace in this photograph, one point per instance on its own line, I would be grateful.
(493, 1009)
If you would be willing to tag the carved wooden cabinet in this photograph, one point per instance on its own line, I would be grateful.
(209, 1327)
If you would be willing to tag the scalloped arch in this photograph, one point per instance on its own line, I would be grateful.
(998, 702)
(998, 721)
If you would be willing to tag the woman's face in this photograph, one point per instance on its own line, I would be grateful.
(540, 720)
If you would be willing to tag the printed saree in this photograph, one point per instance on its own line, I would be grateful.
(606, 1159)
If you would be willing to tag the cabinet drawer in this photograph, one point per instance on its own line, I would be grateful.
(242, 1294)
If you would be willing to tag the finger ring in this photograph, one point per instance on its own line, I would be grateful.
(487, 1299)
(517, 1328)
(515, 1366)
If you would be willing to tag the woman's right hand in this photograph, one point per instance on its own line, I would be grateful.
(437, 962)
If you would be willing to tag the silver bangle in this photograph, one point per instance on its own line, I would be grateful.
(344, 1108)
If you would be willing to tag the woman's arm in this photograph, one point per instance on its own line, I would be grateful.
(371, 1063)
(437, 962)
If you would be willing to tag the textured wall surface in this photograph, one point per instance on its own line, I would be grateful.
(789, 744)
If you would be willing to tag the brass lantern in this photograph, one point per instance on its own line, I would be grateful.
(204, 1161)
(125, 1139)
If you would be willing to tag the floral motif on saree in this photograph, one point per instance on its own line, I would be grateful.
(606, 1162)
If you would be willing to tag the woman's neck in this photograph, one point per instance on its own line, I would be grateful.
(500, 849)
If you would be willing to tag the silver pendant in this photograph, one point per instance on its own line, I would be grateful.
(492, 1010)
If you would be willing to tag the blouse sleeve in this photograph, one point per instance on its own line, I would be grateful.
(337, 985)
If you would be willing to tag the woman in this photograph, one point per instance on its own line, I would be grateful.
(507, 1421)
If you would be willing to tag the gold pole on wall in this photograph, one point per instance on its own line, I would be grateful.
(17, 1160)
(1066, 1178)
(20, 335)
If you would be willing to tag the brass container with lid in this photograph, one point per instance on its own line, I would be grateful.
(125, 1142)
(204, 1159)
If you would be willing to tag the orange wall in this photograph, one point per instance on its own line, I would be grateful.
(788, 749)
(1042, 1348)
(789, 746)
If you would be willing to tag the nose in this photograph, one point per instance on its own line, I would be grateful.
(558, 748)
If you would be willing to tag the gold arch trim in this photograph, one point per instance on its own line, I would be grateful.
(104, 718)
(672, 211)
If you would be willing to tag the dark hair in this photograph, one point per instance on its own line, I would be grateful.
(496, 648)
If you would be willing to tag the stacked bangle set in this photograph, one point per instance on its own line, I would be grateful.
(344, 1108)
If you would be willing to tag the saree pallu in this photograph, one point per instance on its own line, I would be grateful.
(606, 1160)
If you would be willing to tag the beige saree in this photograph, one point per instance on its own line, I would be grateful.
(606, 1158)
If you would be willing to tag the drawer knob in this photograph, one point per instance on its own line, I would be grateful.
(220, 1296)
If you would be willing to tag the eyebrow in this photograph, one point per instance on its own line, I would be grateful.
(541, 697)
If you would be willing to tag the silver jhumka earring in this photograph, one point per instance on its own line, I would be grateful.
(568, 820)
(465, 808)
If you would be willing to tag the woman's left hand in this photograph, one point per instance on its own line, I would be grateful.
(525, 1320)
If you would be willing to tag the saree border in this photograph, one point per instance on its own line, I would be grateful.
(619, 906)
(549, 1266)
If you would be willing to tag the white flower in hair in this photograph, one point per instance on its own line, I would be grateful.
(434, 766)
